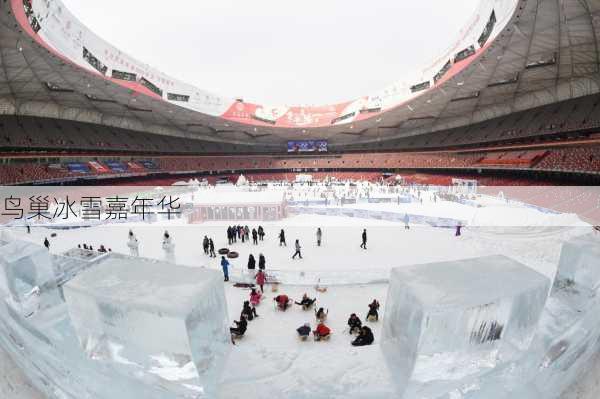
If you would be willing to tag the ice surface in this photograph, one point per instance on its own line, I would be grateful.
(480, 311)
(169, 320)
(28, 276)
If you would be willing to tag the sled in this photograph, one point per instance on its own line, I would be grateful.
(325, 338)
(236, 337)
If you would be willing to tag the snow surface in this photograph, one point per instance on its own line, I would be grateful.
(270, 359)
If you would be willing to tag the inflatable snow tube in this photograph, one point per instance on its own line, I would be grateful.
(223, 251)
(232, 255)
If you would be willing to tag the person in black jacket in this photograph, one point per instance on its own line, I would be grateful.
(249, 312)
(229, 235)
(261, 262)
(365, 337)
(304, 331)
(240, 328)
(211, 246)
(205, 245)
(306, 302)
(364, 239)
(251, 262)
(46, 243)
(354, 323)
(254, 237)
(261, 233)
(373, 314)
(282, 238)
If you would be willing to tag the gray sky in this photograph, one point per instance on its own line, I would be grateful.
(281, 52)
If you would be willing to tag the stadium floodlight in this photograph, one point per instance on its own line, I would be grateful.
(542, 63)
(503, 82)
(56, 88)
(469, 96)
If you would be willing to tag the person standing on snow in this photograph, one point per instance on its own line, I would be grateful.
(260, 280)
(47, 243)
(205, 245)
(319, 236)
(225, 266)
(282, 238)
(298, 247)
(211, 247)
(251, 263)
(364, 239)
(406, 221)
(133, 244)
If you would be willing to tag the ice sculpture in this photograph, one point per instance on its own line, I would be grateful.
(28, 277)
(467, 315)
(169, 321)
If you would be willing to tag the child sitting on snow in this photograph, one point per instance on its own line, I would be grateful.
(306, 302)
(365, 337)
(283, 301)
(373, 314)
(321, 315)
(303, 331)
(322, 332)
(354, 323)
(249, 311)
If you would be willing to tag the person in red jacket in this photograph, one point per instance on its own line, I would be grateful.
(322, 332)
(260, 280)
(283, 301)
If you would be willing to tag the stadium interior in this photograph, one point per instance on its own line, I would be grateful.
(457, 152)
(531, 113)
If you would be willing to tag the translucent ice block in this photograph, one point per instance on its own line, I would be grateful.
(479, 311)
(579, 263)
(168, 320)
(28, 275)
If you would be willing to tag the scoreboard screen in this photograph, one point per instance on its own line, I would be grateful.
(307, 146)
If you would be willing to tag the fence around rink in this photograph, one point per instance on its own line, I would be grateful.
(433, 221)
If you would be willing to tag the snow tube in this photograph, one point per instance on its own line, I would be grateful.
(223, 251)
(232, 255)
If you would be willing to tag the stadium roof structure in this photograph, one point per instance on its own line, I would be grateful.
(512, 55)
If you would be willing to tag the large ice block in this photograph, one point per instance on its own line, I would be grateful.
(477, 311)
(579, 263)
(28, 276)
(168, 320)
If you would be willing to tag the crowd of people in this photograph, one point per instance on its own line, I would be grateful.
(242, 233)
(322, 332)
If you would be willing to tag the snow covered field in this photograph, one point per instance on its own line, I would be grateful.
(270, 359)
